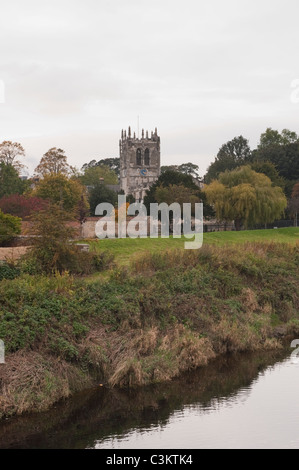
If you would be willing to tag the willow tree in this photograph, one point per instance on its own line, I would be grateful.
(245, 196)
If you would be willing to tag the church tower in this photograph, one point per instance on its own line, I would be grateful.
(139, 162)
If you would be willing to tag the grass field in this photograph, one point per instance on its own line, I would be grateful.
(124, 250)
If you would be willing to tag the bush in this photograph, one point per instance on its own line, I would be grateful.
(10, 227)
(8, 271)
(54, 248)
(21, 206)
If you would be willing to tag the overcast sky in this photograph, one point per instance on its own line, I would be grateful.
(78, 71)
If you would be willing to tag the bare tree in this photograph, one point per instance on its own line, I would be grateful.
(9, 153)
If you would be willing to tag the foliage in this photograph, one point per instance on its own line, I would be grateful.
(246, 197)
(293, 203)
(231, 155)
(100, 193)
(8, 271)
(121, 210)
(10, 182)
(295, 192)
(175, 178)
(176, 193)
(237, 148)
(93, 174)
(21, 206)
(112, 163)
(175, 312)
(272, 138)
(185, 168)
(9, 153)
(284, 157)
(53, 248)
(59, 189)
(269, 170)
(51, 233)
(166, 179)
(54, 162)
(10, 227)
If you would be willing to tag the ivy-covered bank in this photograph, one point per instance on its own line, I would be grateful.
(165, 314)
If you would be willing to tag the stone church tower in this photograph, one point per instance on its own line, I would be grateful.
(139, 162)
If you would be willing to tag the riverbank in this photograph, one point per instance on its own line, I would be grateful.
(148, 322)
(99, 413)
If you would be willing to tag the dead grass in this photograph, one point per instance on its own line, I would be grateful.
(30, 381)
(171, 313)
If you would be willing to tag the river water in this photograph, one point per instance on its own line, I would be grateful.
(240, 401)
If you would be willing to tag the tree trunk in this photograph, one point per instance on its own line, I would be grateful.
(238, 224)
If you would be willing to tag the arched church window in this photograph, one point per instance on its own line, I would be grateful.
(138, 157)
(146, 157)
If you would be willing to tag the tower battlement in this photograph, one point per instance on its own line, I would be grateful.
(144, 136)
(139, 162)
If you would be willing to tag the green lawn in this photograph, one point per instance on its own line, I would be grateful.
(125, 249)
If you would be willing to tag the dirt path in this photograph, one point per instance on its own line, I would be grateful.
(12, 253)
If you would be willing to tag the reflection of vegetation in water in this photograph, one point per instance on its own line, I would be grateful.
(103, 413)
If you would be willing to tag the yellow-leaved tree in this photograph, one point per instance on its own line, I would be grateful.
(245, 196)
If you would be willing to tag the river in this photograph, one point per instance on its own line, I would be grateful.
(239, 401)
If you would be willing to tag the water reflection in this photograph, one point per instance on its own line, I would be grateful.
(238, 401)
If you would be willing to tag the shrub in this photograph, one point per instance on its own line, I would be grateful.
(10, 227)
(54, 248)
(8, 271)
(21, 206)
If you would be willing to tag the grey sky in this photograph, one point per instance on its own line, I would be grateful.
(77, 72)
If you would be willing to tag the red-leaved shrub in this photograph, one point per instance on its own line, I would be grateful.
(22, 206)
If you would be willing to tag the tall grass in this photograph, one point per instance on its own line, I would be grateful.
(165, 313)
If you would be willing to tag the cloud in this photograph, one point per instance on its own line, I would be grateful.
(77, 72)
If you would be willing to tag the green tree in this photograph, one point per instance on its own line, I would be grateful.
(177, 193)
(272, 137)
(234, 153)
(59, 189)
(269, 170)
(237, 148)
(289, 137)
(246, 197)
(176, 178)
(165, 179)
(10, 227)
(9, 153)
(284, 157)
(112, 163)
(189, 169)
(169, 168)
(51, 246)
(94, 174)
(53, 162)
(186, 168)
(10, 182)
(100, 193)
